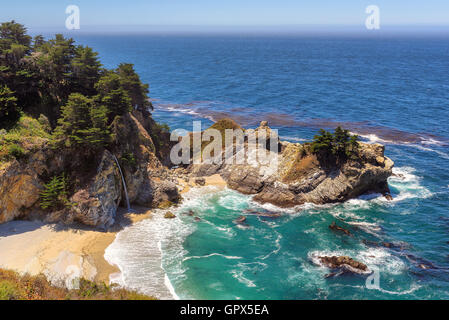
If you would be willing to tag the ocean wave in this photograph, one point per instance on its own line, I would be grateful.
(213, 255)
(408, 184)
(412, 289)
(277, 249)
(139, 253)
(372, 138)
(295, 139)
(239, 275)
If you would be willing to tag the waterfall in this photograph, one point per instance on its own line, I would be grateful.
(124, 183)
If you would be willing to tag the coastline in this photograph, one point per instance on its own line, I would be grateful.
(58, 251)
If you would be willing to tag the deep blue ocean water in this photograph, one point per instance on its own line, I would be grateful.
(391, 90)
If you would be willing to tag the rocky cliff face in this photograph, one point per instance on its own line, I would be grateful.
(98, 192)
(296, 177)
(299, 177)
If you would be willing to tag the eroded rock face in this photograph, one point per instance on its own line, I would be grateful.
(298, 177)
(98, 192)
(20, 186)
(96, 205)
(149, 182)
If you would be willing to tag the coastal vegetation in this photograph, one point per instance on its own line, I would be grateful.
(54, 195)
(66, 84)
(25, 287)
(338, 146)
(62, 115)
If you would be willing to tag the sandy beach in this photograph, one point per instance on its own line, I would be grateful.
(61, 252)
(213, 180)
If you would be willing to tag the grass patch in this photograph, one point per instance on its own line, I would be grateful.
(16, 287)
(25, 137)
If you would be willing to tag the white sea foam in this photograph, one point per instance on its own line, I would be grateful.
(372, 138)
(405, 185)
(137, 252)
(238, 274)
(413, 288)
(378, 258)
(408, 184)
(440, 153)
(277, 244)
(213, 255)
(295, 139)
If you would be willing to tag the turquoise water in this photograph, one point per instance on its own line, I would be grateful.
(391, 90)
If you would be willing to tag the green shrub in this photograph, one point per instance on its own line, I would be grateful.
(157, 131)
(9, 291)
(26, 287)
(9, 111)
(128, 159)
(340, 145)
(54, 195)
(16, 151)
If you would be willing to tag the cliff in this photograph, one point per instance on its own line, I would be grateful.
(95, 185)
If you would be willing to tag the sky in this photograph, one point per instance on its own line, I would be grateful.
(229, 13)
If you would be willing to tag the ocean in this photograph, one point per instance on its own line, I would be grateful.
(393, 90)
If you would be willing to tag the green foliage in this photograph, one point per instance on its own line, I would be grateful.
(66, 85)
(340, 145)
(157, 131)
(9, 291)
(54, 195)
(128, 159)
(12, 32)
(112, 95)
(26, 287)
(9, 111)
(86, 70)
(38, 42)
(137, 91)
(82, 123)
(16, 151)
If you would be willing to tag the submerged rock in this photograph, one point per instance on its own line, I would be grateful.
(388, 196)
(263, 214)
(240, 220)
(169, 215)
(344, 262)
(334, 227)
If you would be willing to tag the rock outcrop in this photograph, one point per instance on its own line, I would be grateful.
(96, 205)
(20, 185)
(96, 185)
(344, 263)
(293, 175)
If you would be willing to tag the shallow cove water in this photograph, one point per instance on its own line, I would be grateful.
(393, 90)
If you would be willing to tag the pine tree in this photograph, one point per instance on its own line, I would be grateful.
(54, 195)
(82, 124)
(86, 70)
(112, 95)
(137, 91)
(9, 111)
